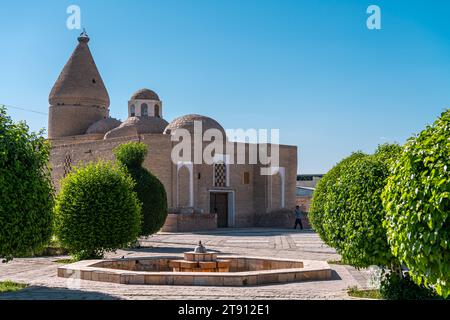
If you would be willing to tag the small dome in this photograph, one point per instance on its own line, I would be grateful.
(138, 125)
(145, 94)
(103, 126)
(187, 122)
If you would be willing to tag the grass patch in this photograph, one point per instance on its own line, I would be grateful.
(9, 286)
(366, 294)
(338, 262)
(66, 261)
(54, 248)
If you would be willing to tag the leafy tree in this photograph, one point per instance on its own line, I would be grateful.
(97, 210)
(323, 220)
(417, 202)
(149, 189)
(26, 192)
(352, 212)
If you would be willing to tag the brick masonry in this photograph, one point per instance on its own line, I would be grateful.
(257, 203)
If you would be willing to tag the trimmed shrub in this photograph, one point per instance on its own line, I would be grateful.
(150, 190)
(396, 287)
(323, 220)
(131, 154)
(352, 211)
(26, 192)
(97, 210)
(417, 202)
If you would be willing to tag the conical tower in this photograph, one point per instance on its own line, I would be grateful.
(79, 97)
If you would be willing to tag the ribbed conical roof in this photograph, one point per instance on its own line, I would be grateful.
(80, 82)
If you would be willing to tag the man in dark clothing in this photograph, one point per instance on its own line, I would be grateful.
(298, 218)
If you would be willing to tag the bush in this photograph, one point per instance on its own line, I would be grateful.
(131, 154)
(395, 287)
(26, 192)
(417, 202)
(149, 189)
(352, 211)
(323, 220)
(97, 210)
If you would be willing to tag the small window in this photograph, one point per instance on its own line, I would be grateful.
(246, 177)
(132, 111)
(157, 113)
(93, 81)
(144, 110)
(220, 175)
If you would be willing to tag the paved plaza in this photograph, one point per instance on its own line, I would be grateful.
(41, 273)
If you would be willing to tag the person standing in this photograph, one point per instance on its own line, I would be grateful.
(298, 218)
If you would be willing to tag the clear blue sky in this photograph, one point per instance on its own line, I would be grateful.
(310, 68)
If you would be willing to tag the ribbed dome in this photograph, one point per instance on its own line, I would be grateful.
(80, 82)
(103, 126)
(145, 94)
(138, 125)
(187, 122)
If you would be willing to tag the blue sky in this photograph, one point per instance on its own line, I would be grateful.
(309, 68)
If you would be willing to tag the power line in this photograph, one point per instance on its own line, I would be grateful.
(23, 109)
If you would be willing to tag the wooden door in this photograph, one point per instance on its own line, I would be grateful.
(219, 205)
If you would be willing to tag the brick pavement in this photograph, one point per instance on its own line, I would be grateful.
(40, 273)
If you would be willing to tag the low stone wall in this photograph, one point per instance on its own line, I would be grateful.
(304, 203)
(190, 222)
(286, 271)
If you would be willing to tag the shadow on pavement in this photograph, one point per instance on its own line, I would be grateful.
(48, 293)
(254, 232)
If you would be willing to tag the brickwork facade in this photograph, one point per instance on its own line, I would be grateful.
(256, 202)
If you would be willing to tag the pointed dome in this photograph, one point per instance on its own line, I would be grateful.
(80, 82)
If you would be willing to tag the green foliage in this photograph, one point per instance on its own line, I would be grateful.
(97, 210)
(388, 152)
(417, 202)
(26, 192)
(365, 294)
(9, 286)
(395, 287)
(131, 154)
(347, 209)
(323, 219)
(149, 189)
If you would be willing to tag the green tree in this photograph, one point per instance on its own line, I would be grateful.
(97, 210)
(324, 221)
(417, 202)
(352, 213)
(26, 192)
(149, 189)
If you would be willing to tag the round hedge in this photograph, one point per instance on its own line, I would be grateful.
(131, 154)
(357, 201)
(97, 210)
(26, 192)
(349, 210)
(417, 202)
(150, 190)
(320, 217)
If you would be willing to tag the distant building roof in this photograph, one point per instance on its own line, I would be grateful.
(304, 191)
(308, 177)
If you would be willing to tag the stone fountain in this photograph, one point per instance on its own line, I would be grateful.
(198, 268)
(200, 260)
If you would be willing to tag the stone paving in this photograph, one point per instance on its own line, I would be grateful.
(41, 273)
